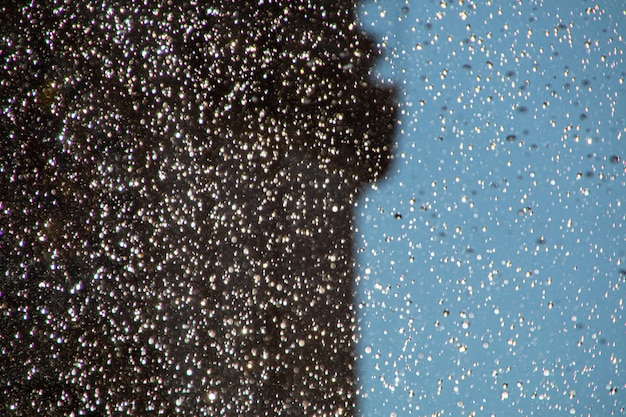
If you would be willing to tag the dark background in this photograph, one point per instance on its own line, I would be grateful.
(176, 190)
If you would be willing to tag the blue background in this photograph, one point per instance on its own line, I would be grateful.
(491, 260)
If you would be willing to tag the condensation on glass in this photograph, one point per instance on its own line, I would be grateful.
(492, 258)
(176, 190)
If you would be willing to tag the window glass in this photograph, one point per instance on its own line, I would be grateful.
(177, 185)
(491, 259)
(177, 189)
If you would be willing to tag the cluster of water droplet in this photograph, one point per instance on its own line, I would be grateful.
(176, 183)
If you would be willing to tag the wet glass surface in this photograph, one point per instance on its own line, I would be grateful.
(491, 267)
(176, 209)
(176, 190)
